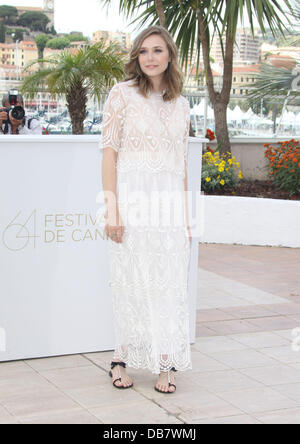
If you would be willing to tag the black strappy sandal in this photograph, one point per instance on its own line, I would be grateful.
(113, 364)
(169, 382)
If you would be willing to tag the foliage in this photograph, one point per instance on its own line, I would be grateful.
(58, 43)
(41, 42)
(90, 71)
(273, 88)
(218, 172)
(51, 30)
(274, 81)
(2, 33)
(18, 34)
(284, 163)
(76, 37)
(8, 14)
(182, 19)
(35, 21)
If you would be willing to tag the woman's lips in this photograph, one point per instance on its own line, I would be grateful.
(151, 66)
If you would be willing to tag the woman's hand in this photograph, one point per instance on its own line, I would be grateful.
(114, 227)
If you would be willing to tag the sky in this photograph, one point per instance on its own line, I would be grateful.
(85, 16)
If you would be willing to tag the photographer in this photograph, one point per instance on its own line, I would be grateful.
(13, 119)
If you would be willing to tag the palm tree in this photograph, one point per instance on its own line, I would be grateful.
(276, 86)
(41, 41)
(273, 81)
(195, 23)
(90, 70)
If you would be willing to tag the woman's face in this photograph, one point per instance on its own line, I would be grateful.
(154, 56)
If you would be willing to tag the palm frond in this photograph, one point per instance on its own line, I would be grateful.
(273, 81)
(97, 66)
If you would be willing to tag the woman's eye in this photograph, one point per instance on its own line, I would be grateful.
(157, 50)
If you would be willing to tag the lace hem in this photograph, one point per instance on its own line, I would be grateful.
(135, 359)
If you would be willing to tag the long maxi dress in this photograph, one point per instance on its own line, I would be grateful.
(148, 270)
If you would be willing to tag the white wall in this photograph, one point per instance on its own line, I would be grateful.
(251, 221)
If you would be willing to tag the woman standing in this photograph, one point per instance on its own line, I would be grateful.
(144, 141)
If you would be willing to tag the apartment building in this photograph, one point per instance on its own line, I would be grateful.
(9, 78)
(18, 54)
(81, 44)
(284, 52)
(243, 78)
(246, 48)
(123, 38)
(196, 79)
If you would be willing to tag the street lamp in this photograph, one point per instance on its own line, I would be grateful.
(17, 53)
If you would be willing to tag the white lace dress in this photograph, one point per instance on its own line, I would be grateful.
(149, 269)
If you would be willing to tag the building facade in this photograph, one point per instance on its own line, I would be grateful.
(18, 54)
(244, 78)
(246, 48)
(269, 51)
(122, 38)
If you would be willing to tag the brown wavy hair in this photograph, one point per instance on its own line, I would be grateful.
(173, 77)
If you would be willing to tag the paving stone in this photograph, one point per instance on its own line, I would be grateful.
(273, 375)
(58, 362)
(258, 400)
(287, 416)
(79, 416)
(260, 339)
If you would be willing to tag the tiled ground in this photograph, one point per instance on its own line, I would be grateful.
(245, 370)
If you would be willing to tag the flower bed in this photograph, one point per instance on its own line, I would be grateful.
(255, 188)
(220, 178)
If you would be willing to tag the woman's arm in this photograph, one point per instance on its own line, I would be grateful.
(186, 202)
(111, 140)
(185, 153)
(109, 179)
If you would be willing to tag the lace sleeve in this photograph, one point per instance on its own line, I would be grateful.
(113, 118)
(187, 130)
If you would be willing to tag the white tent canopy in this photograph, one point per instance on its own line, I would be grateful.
(199, 110)
(247, 120)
